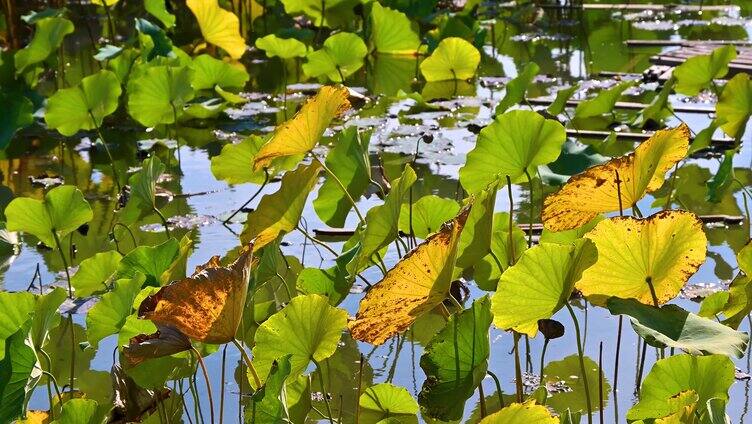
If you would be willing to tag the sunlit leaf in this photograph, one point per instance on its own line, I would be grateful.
(453, 59)
(596, 190)
(158, 94)
(382, 222)
(699, 71)
(708, 376)
(560, 101)
(721, 181)
(527, 412)
(349, 161)
(207, 306)
(94, 273)
(302, 133)
(504, 252)
(734, 106)
(108, 315)
(283, 48)
(663, 250)
(341, 56)
(384, 401)
(455, 362)
(83, 107)
(418, 283)
(268, 403)
(334, 13)
(428, 214)
(674, 327)
(517, 87)
(152, 261)
(515, 142)
(307, 328)
(567, 371)
(219, 26)
(144, 182)
(79, 411)
(333, 282)
(603, 102)
(475, 240)
(61, 212)
(48, 36)
(659, 108)
(165, 341)
(209, 72)
(278, 213)
(392, 32)
(539, 284)
(740, 291)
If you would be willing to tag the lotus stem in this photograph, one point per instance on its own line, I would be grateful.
(115, 175)
(65, 262)
(511, 221)
(73, 351)
(543, 358)
(517, 367)
(600, 381)
(483, 411)
(266, 180)
(498, 387)
(342, 187)
(618, 192)
(582, 361)
(222, 385)
(323, 391)
(638, 382)
(208, 382)
(616, 360)
(360, 388)
(248, 363)
(164, 221)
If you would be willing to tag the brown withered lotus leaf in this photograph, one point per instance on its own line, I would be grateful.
(130, 402)
(206, 306)
(417, 284)
(166, 341)
(595, 191)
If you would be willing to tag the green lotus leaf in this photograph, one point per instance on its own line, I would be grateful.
(567, 370)
(157, 95)
(740, 291)
(391, 73)
(672, 326)
(332, 282)
(46, 316)
(17, 308)
(278, 213)
(332, 13)
(283, 48)
(455, 362)
(209, 72)
(93, 275)
(108, 315)
(308, 328)
(349, 161)
(48, 36)
(569, 236)
(515, 142)
(504, 251)
(85, 106)
(152, 261)
(79, 411)
(603, 103)
(517, 88)
(527, 412)
(562, 97)
(267, 406)
(382, 222)
(475, 240)
(153, 40)
(387, 401)
(19, 373)
(659, 108)
(708, 376)
(158, 9)
(61, 212)
(144, 183)
(428, 214)
(234, 164)
(392, 32)
(698, 72)
(341, 56)
(453, 59)
(539, 284)
(17, 115)
(713, 304)
(718, 185)
(734, 106)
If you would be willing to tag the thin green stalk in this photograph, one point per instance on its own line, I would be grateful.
(248, 363)
(65, 262)
(266, 180)
(498, 387)
(483, 411)
(208, 382)
(115, 174)
(323, 391)
(222, 386)
(517, 367)
(582, 362)
(600, 381)
(342, 187)
(164, 221)
(543, 358)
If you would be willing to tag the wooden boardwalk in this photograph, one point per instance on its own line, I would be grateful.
(742, 63)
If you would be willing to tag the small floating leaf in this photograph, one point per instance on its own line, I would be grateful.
(453, 59)
(386, 401)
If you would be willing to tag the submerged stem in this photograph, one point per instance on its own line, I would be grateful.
(582, 361)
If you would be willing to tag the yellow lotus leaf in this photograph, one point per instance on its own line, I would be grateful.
(303, 131)
(207, 306)
(218, 26)
(527, 412)
(664, 249)
(417, 284)
(595, 191)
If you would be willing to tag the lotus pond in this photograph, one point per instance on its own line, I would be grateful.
(383, 211)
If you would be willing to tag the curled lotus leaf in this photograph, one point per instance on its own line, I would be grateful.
(206, 306)
(597, 190)
(167, 340)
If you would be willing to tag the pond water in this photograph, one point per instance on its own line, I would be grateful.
(570, 46)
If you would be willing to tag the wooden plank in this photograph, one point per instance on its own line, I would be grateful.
(545, 101)
(687, 43)
(725, 143)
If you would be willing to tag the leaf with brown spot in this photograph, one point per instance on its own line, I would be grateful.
(595, 191)
(666, 248)
(418, 283)
(207, 306)
(301, 133)
(165, 341)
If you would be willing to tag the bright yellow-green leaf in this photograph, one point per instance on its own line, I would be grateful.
(392, 32)
(219, 26)
(453, 59)
(301, 133)
(663, 250)
(515, 413)
(284, 48)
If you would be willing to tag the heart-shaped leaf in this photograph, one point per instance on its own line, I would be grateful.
(453, 59)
